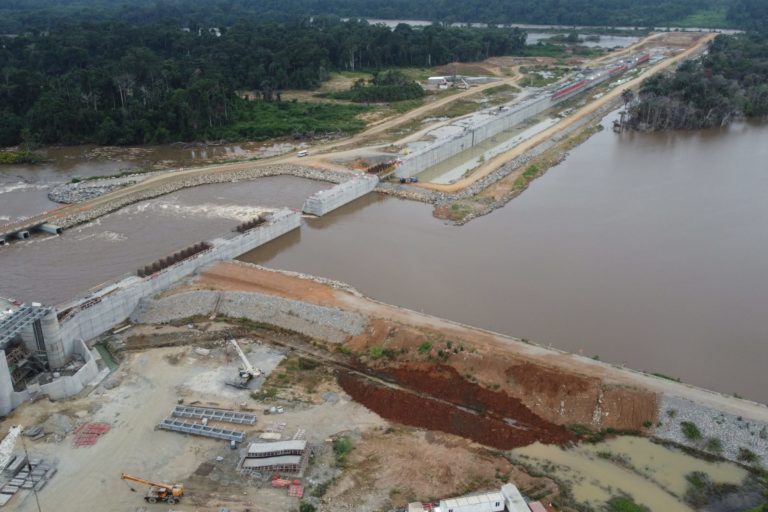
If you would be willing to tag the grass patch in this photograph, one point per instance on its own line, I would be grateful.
(261, 120)
(341, 449)
(378, 352)
(713, 445)
(459, 211)
(625, 504)
(21, 156)
(690, 431)
(501, 89)
(401, 107)
(458, 108)
(425, 347)
(747, 455)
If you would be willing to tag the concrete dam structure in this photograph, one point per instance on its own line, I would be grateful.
(482, 126)
(324, 201)
(43, 350)
(25, 232)
(37, 359)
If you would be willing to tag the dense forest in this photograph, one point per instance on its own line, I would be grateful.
(112, 83)
(730, 82)
(19, 15)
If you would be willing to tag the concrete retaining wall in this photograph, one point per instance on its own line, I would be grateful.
(503, 120)
(114, 304)
(72, 384)
(326, 323)
(324, 201)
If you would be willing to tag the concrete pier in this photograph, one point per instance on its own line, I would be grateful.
(325, 201)
(52, 229)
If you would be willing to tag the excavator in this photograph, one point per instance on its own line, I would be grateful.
(158, 492)
(247, 372)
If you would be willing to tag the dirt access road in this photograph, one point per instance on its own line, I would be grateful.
(587, 110)
(323, 153)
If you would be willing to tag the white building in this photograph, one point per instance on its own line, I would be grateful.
(513, 500)
(487, 502)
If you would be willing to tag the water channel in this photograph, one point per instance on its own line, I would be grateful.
(54, 269)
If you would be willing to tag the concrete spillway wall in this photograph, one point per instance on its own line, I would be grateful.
(324, 201)
(502, 120)
(114, 303)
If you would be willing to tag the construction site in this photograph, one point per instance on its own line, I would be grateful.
(199, 382)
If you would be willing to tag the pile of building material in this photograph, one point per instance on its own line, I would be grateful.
(295, 489)
(25, 474)
(88, 433)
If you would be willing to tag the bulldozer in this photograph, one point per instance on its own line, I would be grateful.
(158, 492)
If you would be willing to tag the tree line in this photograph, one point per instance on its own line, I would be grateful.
(114, 83)
(729, 83)
(21, 15)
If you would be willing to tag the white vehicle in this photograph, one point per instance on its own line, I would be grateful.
(302, 153)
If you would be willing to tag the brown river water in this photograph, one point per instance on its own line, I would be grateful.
(54, 269)
(646, 250)
(24, 188)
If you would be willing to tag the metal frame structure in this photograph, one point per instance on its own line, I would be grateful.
(197, 413)
(198, 429)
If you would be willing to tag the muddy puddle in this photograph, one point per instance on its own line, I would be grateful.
(653, 475)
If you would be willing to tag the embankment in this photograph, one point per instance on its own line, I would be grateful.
(143, 193)
(503, 422)
(500, 377)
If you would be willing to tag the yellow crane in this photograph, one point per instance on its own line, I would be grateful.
(158, 492)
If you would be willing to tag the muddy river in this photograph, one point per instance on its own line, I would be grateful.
(24, 188)
(646, 250)
(53, 269)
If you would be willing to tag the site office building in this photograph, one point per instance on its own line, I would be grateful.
(508, 499)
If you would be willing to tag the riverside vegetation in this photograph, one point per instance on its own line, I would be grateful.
(728, 83)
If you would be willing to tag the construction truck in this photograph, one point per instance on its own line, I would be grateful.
(247, 372)
(158, 492)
